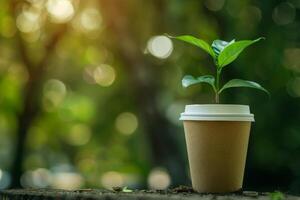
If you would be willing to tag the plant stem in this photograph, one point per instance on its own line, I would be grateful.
(217, 98)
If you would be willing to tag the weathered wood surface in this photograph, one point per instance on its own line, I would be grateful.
(34, 194)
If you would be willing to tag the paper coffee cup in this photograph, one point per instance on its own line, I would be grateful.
(217, 141)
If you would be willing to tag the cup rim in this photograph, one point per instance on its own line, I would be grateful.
(217, 112)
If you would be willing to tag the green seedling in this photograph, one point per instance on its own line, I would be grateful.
(223, 53)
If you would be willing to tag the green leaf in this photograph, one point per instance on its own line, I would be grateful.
(125, 189)
(242, 83)
(232, 51)
(189, 80)
(219, 45)
(197, 42)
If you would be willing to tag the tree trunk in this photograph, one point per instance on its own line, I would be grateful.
(24, 121)
(31, 92)
(144, 81)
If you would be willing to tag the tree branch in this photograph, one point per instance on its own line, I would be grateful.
(50, 48)
(20, 42)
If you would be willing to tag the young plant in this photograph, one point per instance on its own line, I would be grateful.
(223, 53)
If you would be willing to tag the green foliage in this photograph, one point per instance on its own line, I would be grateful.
(219, 45)
(233, 50)
(197, 42)
(125, 189)
(189, 80)
(223, 53)
(277, 195)
(242, 83)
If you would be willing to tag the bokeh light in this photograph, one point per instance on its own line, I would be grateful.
(88, 75)
(79, 134)
(104, 75)
(39, 178)
(60, 11)
(160, 46)
(28, 21)
(126, 123)
(159, 179)
(251, 14)
(292, 59)
(90, 19)
(214, 5)
(67, 180)
(112, 179)
(36, 2)
(5, 179)
(284, 13)
(54, 93)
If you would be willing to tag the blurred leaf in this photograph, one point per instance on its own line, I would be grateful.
(219, 45)
(77, 107)
(197, 42)
(232, 51)
(125, 189)
(277, 195)
(189, 80)
(242, 83)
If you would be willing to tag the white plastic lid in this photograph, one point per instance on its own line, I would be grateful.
(217, 112)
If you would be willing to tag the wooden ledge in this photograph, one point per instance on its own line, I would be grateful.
(95, 194)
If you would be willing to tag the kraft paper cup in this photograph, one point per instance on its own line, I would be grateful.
(217, 141)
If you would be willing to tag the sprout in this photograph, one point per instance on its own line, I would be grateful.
(223, 53)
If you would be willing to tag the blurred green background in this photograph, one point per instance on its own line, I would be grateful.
(90, 91)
